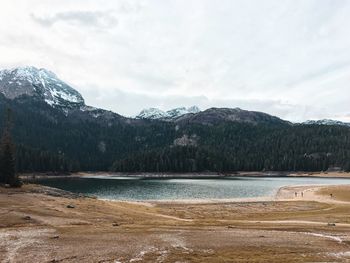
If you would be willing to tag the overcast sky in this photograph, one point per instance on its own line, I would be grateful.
(290, 58)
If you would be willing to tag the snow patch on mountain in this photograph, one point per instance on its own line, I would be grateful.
(155, 113)
(177, 112)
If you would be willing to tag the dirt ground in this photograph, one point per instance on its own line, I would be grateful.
(37, 225)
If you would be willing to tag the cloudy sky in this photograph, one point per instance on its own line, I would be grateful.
(290, 58)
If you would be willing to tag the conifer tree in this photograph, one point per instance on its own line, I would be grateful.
(7, 158)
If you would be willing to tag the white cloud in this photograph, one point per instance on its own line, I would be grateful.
(289, 58)
(79, 18)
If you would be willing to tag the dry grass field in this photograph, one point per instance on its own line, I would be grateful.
(37, 225)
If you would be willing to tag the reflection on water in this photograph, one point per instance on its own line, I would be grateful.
(126, 188)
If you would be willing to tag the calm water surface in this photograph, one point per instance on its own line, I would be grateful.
(126, 188)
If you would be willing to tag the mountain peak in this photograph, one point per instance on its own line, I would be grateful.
(30, 71)
(152, 113)
(193, 109)
(38, 82)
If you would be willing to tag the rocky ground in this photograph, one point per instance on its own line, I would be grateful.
(40, 224)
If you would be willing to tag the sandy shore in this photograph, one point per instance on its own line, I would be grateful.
(321, 174)
(40, 224)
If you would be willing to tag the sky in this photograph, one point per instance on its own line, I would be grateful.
(289, 58)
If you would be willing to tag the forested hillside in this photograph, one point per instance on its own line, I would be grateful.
(48, 139)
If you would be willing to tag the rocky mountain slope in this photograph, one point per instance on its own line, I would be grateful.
(44, 86)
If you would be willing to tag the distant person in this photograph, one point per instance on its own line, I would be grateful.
(331, 195)
(296, 194)
(302, 194)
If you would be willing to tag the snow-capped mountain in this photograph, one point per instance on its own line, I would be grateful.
(326, 122)
(40, 83)
(152, 113)
(156, 114)
(44, 86)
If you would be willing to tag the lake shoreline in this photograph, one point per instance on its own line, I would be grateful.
(183, 190)
(284, 193)
(188, 175)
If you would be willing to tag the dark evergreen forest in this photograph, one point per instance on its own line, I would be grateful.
(242, 147)
(47, 139)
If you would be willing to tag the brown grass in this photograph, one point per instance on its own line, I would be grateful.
(101, 231)
(339, 193)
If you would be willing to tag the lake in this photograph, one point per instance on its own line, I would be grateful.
(132, 188)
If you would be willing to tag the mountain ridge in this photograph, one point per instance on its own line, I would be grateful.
(326, 122)
(45, 85)
(215, 115)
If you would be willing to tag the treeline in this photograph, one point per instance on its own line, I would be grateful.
(34, 160)
(172, 159)
(243, 147)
